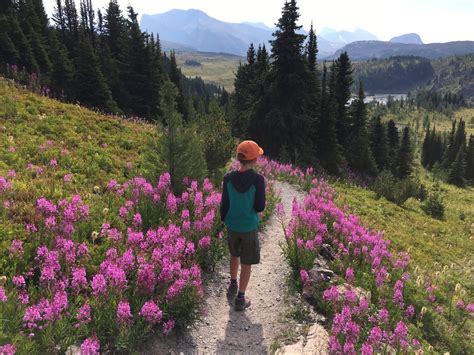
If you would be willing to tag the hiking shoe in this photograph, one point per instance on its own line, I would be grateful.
(241, 303)
(232, 290)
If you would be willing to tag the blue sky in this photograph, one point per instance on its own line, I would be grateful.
(433, 20)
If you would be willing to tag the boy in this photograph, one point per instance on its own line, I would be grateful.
(243, 197)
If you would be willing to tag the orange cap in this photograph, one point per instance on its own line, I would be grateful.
(250, 150)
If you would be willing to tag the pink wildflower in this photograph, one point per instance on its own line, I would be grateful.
(90, 346)
(151, 312)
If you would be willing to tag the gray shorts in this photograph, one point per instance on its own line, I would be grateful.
(244, 245)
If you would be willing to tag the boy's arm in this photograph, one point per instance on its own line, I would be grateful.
(224, 208)
(259, 194)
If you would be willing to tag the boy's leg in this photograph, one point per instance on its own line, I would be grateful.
(245, 271)
(234, 267)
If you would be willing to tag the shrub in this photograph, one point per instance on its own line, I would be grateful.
(433, 206)
(397, 190)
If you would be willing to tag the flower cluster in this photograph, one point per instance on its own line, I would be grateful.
(82, 269)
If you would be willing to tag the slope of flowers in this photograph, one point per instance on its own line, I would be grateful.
(376, 303)
(113, 277)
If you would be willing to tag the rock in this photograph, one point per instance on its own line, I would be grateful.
(360, 292)
(73, 350)
(316, 342)
(326, 252)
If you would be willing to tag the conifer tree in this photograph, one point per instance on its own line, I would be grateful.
(135, 75)
(90, 86)
(393, 145)
(175, 76)
(426, 148)
(61, 76)
(288, 118)
(405, 155)
(470, 161)
(312, 50)
(458, 169)
(330, 152)
(245, 95)
(379, 144)
(181, 147)
(360, 155)
(344, 81)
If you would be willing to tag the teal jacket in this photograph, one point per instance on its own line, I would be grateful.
(243, 197)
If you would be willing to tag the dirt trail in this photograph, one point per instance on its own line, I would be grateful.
(224, 331)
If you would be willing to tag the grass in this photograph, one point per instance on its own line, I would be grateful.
(429, 240)
(215, 68)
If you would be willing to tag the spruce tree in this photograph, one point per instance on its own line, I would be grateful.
(61, 76)
(175, 76)
(359, 153)
(330, 152)
(245, 96)
(288, 118)
(393, 145)
(405, 155)
(426, 148)
(458, 169)
(379, 144)
(344, 81)
(312, 50)
(91, 88)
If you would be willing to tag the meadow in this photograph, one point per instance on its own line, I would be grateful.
(96, 249)
(215, 68)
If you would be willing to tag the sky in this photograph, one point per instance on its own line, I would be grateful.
(433, 20)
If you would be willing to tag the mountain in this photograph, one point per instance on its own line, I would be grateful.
(194, 28)
(409, 38)
(364, 50)
(345, 37)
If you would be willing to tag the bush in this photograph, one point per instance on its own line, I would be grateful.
(433, 205)
(397, 190)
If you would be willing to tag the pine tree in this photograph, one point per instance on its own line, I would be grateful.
(379, 144)
(360, 155)
(344, 81)
(393, 145)
(156, 76)
(90, 85)
(405, 155)
(288, 118)
(8, 51)
(470, 161)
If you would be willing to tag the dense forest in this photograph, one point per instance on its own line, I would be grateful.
(100, 58)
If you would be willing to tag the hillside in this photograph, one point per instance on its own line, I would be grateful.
(364, 50)
(93, 148)
(393, 75)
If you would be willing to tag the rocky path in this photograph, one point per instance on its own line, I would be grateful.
(224, 331)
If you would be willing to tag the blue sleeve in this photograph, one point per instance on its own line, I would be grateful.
(259, 193)
(224, 208)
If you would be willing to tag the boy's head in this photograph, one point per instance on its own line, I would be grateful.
(248, 153)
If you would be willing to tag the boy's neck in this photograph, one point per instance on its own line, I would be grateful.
(245, 168)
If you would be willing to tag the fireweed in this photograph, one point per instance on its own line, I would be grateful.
(108, 282)
(386, 317)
